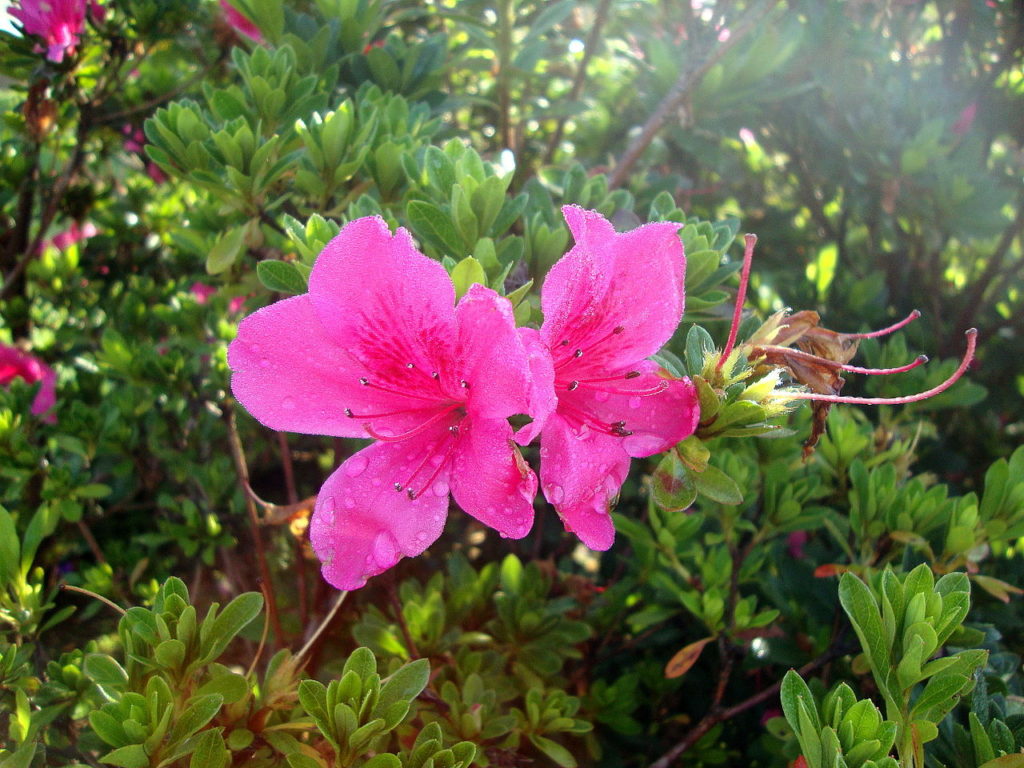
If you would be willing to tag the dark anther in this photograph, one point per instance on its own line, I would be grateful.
(435, 375)
(410, 366)
(618, 430)
(619, 424)
(454, 429)
(348, 412)
(564, 342)
(398, 486)
(464, 384)
(618, 329)
(573, 385)
(412, 494)
(578, 353)
(632, 374)
(363, 380)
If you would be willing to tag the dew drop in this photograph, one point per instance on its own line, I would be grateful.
(327, 512)
(544, 452)
(254, 348)
(265, 362)
(555, 494)
(642, 444)
(350, 503)
(583, 432)
(375, 482)
(634, 402)
(356, 465)
(440, 488)
(288, 403)
(421, 536)
(385, 550)
(601, 396)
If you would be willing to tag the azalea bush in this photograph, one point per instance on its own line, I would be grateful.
(459, 384)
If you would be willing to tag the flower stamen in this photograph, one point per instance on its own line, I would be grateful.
(972, 336)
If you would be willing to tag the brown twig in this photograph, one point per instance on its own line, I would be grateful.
(593, 39)
(293, 498)
(681, 89)
(242, 470)
(94, 596)
(717, 714)
(993, 266)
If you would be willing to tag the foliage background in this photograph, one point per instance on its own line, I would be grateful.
(874, 147)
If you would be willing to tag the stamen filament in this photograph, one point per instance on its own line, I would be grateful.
(741, 296)
(412, 432)
(352, 415)
(885, 331)
(585, 418)
(972, 336)
(413, 493)
(367, 383)
(837, 366)
(655, 390)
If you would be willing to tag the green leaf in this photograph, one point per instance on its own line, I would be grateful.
(861, 607)
(210, 751)
(19, 758)
(225, 251)
(433, 225)
(465, 273)
(362, 662)
(383, 760)
(199, 711)
(554, 750)
(718, 486)
(281, 276)
(404, 685)
(229, 622)
(672, 484)
(132, 756)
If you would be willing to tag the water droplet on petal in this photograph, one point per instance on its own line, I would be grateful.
(634, 402)
(288, 403)
(265, 362)
(583, 432)
(356, 465)
(555, 494)
(642, 444)
(440, 488)
(350, 503)
(385, 550)
(376, 482)
(544, 452)
(326, 512)
(601, 396)
(421, 536)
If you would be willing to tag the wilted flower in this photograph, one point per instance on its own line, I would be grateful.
(15, 364)
(58, 22)
(378, 348)
(611, 302)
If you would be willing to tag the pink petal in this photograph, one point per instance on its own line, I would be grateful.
(46, 397)
(657, 421)
(291, 376)
(362, 526)
(615, 297)
(542, 399)
(386, 303)
(581, 474)
(490, 480)
(492, 359)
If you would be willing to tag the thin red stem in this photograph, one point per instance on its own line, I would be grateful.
(741, 296)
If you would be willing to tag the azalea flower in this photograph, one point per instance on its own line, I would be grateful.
(240, 22)
(611, 302)
(58, 22)
(15, 364)
(377, 348)
(202, 292)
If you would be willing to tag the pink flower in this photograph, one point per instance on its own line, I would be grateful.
(795, 544)
(377, 349)
(16, 364)
(239, 22)
(609, 303)
(58, 22)
(202, 292)
(965, 119)
(76, 233)
(236, 304)
(134, 138)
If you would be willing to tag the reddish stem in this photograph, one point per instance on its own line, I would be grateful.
(741, 295)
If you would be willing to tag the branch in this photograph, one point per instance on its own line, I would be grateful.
(682, 88)
(242, 470)
(581, 74)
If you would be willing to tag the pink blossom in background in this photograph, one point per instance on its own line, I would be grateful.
(378, 348)
(58, 22)
(795, 544)
(202, 292)
(239, 22)
(15, 364)
(155, 174)
(236, 304)
(611, 302)
(134, 138)
(966, 119)
(75, 233)
(97, 11)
